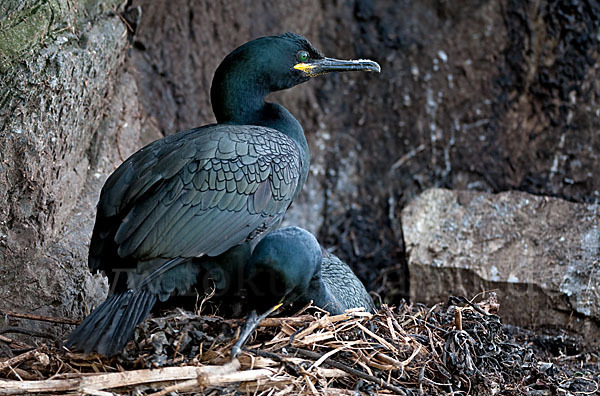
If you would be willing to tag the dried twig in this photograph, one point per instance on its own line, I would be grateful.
(29, 332)
(17, 359)
(40, 318)
(405, 350)
(205, 375)
(350, 370)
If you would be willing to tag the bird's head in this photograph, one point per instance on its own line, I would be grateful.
(280, 271)
(282, 267)
(273, 63)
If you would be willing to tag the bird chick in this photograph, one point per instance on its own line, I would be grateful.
(288, 265)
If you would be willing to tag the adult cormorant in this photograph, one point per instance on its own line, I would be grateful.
(287, 266)
(205, 192)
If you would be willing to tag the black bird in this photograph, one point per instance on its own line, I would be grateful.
(209, 193)
(287, 266)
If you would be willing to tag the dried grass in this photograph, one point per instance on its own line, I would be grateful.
(456, 348)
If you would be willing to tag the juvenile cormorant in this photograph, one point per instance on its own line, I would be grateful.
(204, 192)
(287, 266)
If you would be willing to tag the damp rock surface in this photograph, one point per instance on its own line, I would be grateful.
(541, 255)
(68, 112)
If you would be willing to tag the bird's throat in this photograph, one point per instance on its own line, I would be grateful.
(240, 103)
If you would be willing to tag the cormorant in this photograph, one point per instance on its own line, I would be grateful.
(287, 266)
(210, 192)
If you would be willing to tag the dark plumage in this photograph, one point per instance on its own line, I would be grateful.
(206, 195)
(287, 266)
(346, 290)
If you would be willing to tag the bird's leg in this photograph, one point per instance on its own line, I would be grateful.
(252, 322)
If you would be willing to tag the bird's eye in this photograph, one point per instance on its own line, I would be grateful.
(302, 56)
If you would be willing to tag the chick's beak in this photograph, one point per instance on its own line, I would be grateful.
(252, 322)
(317, 67)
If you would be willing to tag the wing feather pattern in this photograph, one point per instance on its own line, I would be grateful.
(195, 193)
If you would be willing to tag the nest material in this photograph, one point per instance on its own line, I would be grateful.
(457, 348)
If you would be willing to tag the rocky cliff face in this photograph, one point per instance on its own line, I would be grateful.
(62, 73)
(481, 95)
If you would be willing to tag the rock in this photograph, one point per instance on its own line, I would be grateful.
(68, 117)
(541, 255)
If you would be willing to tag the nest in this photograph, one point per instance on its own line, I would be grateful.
(454, 348)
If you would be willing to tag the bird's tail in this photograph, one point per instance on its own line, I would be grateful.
(110, 326)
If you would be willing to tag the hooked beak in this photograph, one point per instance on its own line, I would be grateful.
(252, 322)
(327, 65)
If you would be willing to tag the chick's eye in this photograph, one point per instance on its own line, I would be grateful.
(302, 56)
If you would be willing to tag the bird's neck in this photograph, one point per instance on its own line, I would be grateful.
(235, 105)
(322, 297)
(278, 117)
